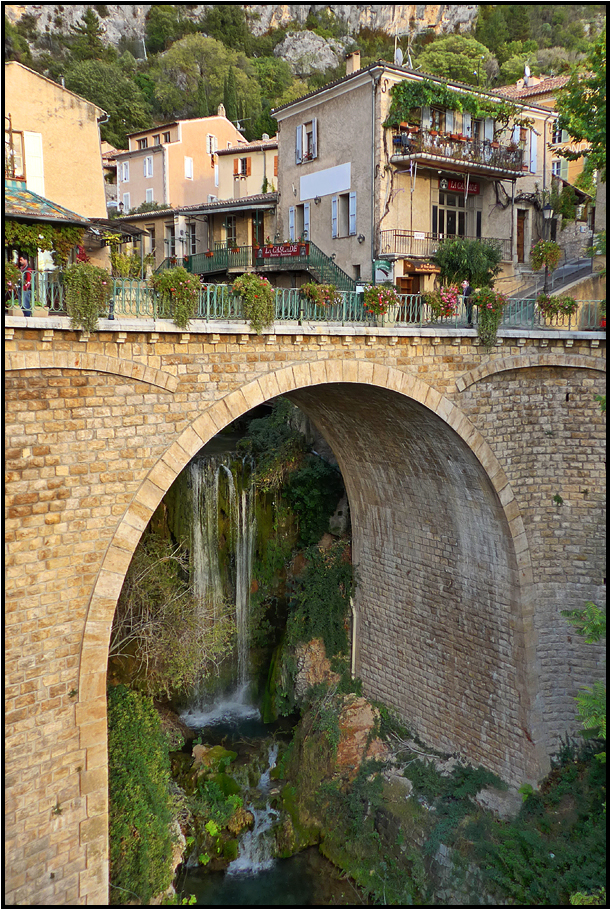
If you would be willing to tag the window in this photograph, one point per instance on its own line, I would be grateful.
(157, 139)
(151, 240)
(191, 241)
(231, 229)
(143, 143)
(149, 194)
(477, 130)
(558, 135)
(189, 168)
(242, 167)
(166, 137)
(211, 144)
(14, 154)
(306, 141)
(148, 166)
(343, 215)
(125, 202)
(170, 240)
(438, 119)
(449, 217)
(556, 167)
(302, 222)
(124, 176)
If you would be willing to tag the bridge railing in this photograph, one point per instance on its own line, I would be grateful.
(136, 298)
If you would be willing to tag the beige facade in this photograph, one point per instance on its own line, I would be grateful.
(364, 193)
(174, 163)
(247, 170)
(58, 134)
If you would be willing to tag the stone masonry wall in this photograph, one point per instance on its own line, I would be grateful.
(97, 428)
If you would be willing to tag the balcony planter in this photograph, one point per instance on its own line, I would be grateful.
(235, 249)
(495, 145)
(209, 254)
(433, 132)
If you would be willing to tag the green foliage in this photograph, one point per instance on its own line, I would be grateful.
(456, 57)
(321, 294)
(16, 46)
(29, 238)
(275, 445)
(591, 623)
(490, 305)
(106, 85)
(130, 265)
(163, 26)
(258, 300)
(88, 294)
(12, 278)
(557, 305)
(476, 261)
(582, 104)
(179, 293)
(313, 491)
(545, 253)
(227, 23)
(160, 629)
(88, 44)
(139, 799)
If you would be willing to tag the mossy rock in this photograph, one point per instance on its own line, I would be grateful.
(298, 829)
(231, 849)
(227, 784)
(209, 758)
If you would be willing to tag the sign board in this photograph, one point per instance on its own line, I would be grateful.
(382, 270)
(458, 186)
(283, 250)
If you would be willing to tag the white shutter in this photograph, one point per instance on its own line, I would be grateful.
(188, 168)
(125, 203)
(352, 214)
(449, 121)
(34, 166)
(533, 152)
(298, 144)
(564, 169)
(306, 221)
(426, 118)
(466, 123)
(291, 223)
(149, 194)
(314, 138)
(515, 136)
(334, 217)
(488, 129)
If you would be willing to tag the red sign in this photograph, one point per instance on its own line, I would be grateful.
(458, 186)
(283, 249)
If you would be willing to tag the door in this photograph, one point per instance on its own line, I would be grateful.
(520, 234)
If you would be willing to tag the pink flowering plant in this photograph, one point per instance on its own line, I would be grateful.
(258, 300)
(87, 291)
(444, 303)
(490, 305)
(378, 298)
(555, 305)
(179, 293)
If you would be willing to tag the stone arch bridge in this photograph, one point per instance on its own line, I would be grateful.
(476, 487)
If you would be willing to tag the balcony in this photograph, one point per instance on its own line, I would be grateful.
(477, 156)
(422, 245)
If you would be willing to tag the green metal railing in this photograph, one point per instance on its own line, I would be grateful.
(135, 298)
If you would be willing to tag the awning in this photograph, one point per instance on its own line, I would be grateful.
(24, 205)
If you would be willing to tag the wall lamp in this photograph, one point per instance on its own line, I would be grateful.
(316, 200)
(361, 238)
(332, 257)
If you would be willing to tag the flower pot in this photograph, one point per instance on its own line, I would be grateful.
(40, 311)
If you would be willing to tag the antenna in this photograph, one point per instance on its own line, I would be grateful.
(398, 57)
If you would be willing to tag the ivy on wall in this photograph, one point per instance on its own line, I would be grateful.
(409, 96)
(29, 238)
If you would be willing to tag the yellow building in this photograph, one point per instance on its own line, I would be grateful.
(56, 141)
(247, 170)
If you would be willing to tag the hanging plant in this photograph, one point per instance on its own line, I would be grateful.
(179, 290)
(377, 299)
(545, 253)
(444, 303)
(490, 304)
(12, 278)
(258, 300)
(88, 290)
(553, 306)
(321, 294)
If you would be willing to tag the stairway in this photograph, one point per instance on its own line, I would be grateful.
(323, 269)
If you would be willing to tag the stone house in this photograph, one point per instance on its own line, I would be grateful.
(174, 163)
(379, 199)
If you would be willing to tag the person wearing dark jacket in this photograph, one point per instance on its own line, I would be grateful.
(467, 290)
(26, 285)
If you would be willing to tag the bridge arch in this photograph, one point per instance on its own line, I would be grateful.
(304, 383)
(492, 366)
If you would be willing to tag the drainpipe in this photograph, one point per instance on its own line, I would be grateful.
(353, 654)
(375, 81)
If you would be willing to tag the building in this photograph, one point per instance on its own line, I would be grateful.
(379, 198)
(55, 139)
(247, 170)
(175, 163)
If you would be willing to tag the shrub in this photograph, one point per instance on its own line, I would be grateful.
(139, 799)
(88, 293)
(179, 291)
(258, 298)
(313, 491)
(476, 261)
(12, 277)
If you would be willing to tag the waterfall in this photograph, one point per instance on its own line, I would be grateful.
(206, 473)
(257, 845)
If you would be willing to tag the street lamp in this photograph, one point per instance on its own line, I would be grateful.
(547, 218)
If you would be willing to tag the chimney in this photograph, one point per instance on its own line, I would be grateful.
(353, 62)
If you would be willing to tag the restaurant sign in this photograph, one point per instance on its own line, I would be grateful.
(458, 186)
(283, 250)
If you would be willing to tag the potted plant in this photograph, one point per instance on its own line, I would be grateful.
(209, 254)
(258, 299)
(178, 291)
(323, 295)
(545, 253)
(490, 304)
(383, 302)
(552, 306)
(444, 303)
(12, 281)
(88, 291)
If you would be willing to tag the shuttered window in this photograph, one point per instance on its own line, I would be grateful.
(291, 223)
(334, 217)
(352, 214)
(306, 221)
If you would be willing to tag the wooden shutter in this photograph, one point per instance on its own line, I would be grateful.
(236, 167)
(466, 123)
(291, 223)
(449, 121)
(248, 167)
(334, 217)
(275, 165)
(533, 152)
(352, 214)
(298, 139)
(306, 220)
(564, 169)
(488, 129)
(314, 138)
(426, 118)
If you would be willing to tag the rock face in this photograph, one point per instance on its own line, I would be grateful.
(306, 52)
(357, 721)
(313, 667)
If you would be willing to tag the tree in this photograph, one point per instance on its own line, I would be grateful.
(476, 261)
(456, 57)
(582, 105)
(88, 34)
(230, 98)
(106, 85)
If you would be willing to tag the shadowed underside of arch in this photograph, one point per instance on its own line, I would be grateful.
(407, 423)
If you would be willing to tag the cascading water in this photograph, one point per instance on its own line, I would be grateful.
(213, 481)
(256, 846)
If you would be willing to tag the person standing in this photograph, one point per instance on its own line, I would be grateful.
(467, 290)
(26, 285)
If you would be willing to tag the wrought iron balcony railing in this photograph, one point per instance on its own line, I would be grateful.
(482, 154)
(422, 244)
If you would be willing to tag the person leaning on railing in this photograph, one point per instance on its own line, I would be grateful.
(467, 290)
(26, 285)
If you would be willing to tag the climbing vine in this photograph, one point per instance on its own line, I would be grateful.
(88, 294)
(29, 238)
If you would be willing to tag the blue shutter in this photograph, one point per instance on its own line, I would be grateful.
(488, 129)
(352, 214)
(291, 223)
(314, 138)
(306, 221)
(334, 217)
(298, 136)
(533, 152)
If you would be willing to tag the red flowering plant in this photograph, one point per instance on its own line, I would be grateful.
(321, 294)
(258, 299)
(179, 292)
(378, 298)
(491, 305)
(443, 303)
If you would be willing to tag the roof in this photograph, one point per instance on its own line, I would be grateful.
(549, 85)
(260, 201)
(256, 145)
(56, 85)
(399, 70)
(25, 205)
(102, 225)
(163, 126)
